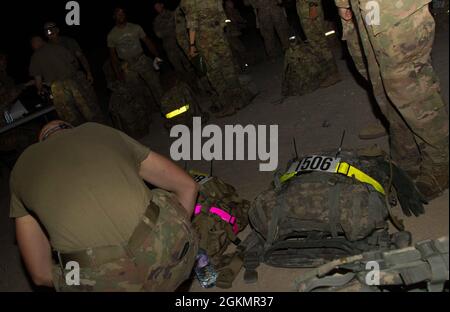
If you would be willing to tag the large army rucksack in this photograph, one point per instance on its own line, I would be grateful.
(325, 207)
(423, 267)
(304, 69)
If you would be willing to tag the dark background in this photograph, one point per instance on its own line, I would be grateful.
(21, 19)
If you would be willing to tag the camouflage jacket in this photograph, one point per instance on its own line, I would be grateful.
(237, 22)
(203, 12)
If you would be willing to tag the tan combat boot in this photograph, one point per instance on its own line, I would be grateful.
(373, 131)
(433, 184)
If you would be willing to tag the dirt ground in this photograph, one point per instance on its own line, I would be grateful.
(301, 117)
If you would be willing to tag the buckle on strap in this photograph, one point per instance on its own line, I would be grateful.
(353, 172)
(225, 216)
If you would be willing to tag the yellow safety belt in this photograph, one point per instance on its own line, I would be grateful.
(349, 171)
(177, 112)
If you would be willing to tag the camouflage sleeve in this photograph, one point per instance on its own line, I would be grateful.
(190, 11)
(342, 3)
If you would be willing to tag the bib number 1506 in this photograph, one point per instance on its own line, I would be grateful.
(315, 163)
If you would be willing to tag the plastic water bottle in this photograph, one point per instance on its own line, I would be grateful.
(204, 270)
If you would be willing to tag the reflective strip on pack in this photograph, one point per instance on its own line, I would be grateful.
(225, 216)
(347, 170)
(353, 172)
(177, 112)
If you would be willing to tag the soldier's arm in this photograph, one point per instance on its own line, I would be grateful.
(163, 173)
(150, 46)
(84, 62)
(38, 83)
(35, 250)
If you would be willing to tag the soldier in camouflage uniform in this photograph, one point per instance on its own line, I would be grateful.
(312, 19)
(271, 18)
(396, 45)
(128, 58)
(164, 28)
(73, 97)
(205, 21)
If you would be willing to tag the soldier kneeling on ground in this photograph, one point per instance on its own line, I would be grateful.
(80, 192)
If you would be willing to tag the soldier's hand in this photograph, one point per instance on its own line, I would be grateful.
(192, 51)
(30, 83)
(345, 14)
(313, 12)
(90, 78)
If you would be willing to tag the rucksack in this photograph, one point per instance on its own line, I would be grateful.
(423, 267)
(220, 214)
(323, 208)
(304, 69)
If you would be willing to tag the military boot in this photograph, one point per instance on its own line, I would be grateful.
(373, 131)
(330, 80)
(226, 111)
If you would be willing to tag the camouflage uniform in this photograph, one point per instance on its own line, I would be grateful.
(162, 252)
(141, 69)
(130, 111)
(405, 85)
(207, 18)
(164, 28)
(314, 30)
(75, 101)
(271, 17)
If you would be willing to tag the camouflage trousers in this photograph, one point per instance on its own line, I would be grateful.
(141, 69)
(240, 53)
(407, 89)
(221, 71)
(75, 101)
(314, 29)
(161, 257)
(270, 23)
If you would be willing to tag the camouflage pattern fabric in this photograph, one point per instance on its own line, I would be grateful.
(215, 235)
(398, 51)
(303, 69)
(314, 30)
(162, 260)
(423, 267)
(208, 19)
(141, 69)
(128, 105)
(271, 19)
(75, 101)
(165, 28)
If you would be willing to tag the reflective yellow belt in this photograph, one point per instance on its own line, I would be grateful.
(349, 171)
(177, 112)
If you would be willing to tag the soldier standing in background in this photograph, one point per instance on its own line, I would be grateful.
(53, 65)
(312, 20)
(271, 18)
(397, 47)
(205, 22)
(127, 56)
(85, 78)
(164, 28)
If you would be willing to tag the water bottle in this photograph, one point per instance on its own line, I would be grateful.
(204, 270)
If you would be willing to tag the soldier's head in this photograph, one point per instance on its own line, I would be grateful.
(53, 127)
(120, 16)
(51, 31)
(159, 7)
(37, 42)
